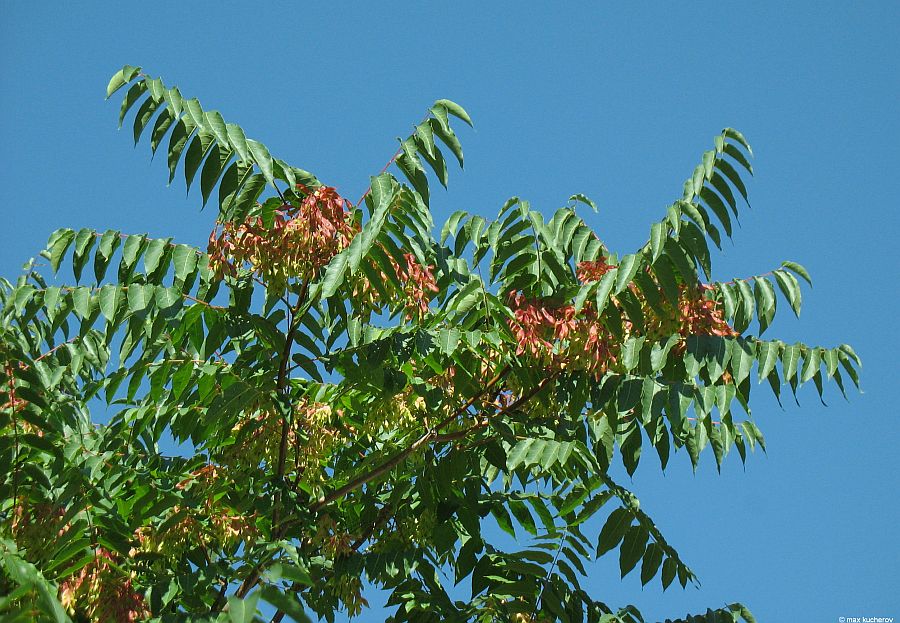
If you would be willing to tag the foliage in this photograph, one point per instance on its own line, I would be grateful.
(350, 399)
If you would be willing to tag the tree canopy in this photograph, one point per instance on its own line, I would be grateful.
(336, 394)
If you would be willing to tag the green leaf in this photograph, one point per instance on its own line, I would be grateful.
(383, 191)
(584, 291)
(790, 288)
(517, 455)
(737, 136)
(634, 544)
(604, 288)
(425, 139)
(738, 156)
(733, 176)
(139, 296)
(143, 116)
(653, 559)
(631, 352)
(844, 358)
(154, 254)
(213, 120)
(242, 610)
(440, 127)
(59, 243)
(286, 602)
(212, 170)
(109, 301)
(523, 516)
(132, 248)
(848, 350)
(790, 355)
(121, 78)
(658, 233)
(811, 364)
(448, 340)
(163, 122)
(177, 141)
(503, 520)
(198, 149)
(614, 530)
(134, 94)
(742, 358)
(238, 141)
(682, 263)
(263, 159)
(628, 267)
(748, 304)
(670, 567)
(716, 204)
(764, 294)
(797, 268)
(184, 260)
(456, 110)
(83, 243)
(585, 200)
(660, 352)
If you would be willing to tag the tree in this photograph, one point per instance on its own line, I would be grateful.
(353, 400)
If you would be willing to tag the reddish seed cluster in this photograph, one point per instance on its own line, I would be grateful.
(101, 593)
(258, 437)
(225, 527)
(699, 315)
(301, 240)
(593, 270)
(13, 403)
(98, 591)
(418, 282)
(337, 544)
(210, 525)
(419, 286)
(35, 526)
(557, 335)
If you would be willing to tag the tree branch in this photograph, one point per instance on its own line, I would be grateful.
(430, 436)
(281, 385)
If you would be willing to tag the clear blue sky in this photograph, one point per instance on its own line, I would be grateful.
(610, 100)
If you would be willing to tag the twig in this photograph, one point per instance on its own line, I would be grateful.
(383, 169)
(562, 540)
(403, 454)
(387, 166)
(281, 384)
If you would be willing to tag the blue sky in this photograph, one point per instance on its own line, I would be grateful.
(607, 99)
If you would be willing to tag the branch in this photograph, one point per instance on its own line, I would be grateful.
(281, 384)
(562, 540)
(461, 434)
(431, 435)
(383, 515)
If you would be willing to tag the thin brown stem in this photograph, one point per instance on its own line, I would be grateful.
(281, 385)
(220, 601)
(249, 582)
(280, 614)
(461, 434)
(386, 167)
(383, 515)
(398, 458)
(14, 406)
(383, 169)
(56, 348)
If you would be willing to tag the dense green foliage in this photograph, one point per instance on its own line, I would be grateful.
(347, 398)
